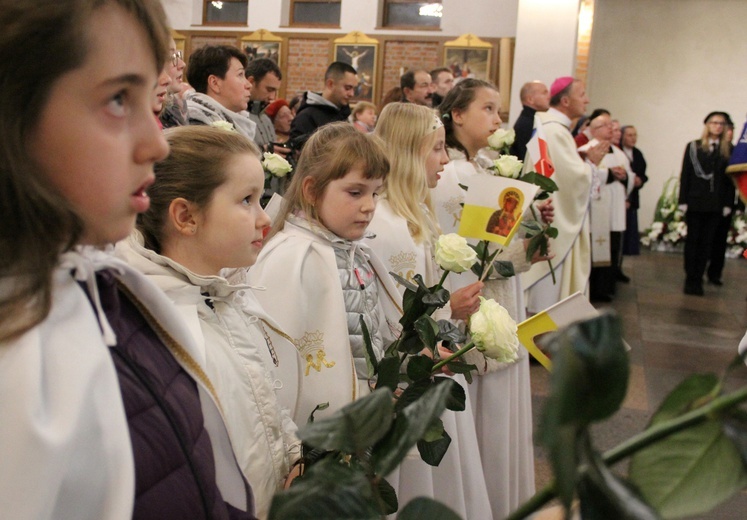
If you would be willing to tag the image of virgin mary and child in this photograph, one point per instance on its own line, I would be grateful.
(503, 221)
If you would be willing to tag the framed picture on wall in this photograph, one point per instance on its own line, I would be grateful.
(262, 44)
(360, 52)
(254, 50)
(468, 57)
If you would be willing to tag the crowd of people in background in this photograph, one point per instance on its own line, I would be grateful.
(161, 338)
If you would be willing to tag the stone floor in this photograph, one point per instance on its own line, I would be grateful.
(671, 336)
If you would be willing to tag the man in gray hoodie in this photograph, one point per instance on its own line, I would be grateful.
(330, 106)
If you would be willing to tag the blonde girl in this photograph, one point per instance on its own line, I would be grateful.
(405, 232)
(205, 221)
(319, 278)
(99, 419)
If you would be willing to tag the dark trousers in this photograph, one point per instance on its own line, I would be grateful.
(632, 240)
(718, 249)
(701, 228)
(616, 250)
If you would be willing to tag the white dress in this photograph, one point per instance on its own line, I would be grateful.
(458, 480)
(501, 397)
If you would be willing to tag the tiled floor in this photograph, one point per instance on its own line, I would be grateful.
(671, 336)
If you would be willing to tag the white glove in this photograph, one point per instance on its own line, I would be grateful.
(726, 211)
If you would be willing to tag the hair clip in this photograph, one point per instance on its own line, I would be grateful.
(446, 116)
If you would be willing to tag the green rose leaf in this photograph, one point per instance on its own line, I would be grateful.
(328, 490)
(427, 330)
(353, 428)
(604, 495)
(388, 373)
(504, 268)
(404, 282)
(388, 496)
(432, 452)
(694, 470)
(545, 183)
(409, 427)
(423, 507)
(447, 331)
(689, 472)
(371, 363)
(551, 232)
(412, 393)
(437, 299)
(590, 376)
(419, 367)
(457, 398)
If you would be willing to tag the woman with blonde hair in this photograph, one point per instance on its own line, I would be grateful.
(405, 233)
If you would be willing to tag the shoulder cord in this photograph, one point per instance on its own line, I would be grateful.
(697, 168)
(141, 376)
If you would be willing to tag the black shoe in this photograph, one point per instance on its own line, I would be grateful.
(713, 281)
(622, 278)
(694, 289)
(602, 298)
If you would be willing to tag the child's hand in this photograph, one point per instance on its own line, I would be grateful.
(547, 211)
(465, 302)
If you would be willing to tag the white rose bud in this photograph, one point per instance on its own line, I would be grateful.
(223, 125)
(494, 332)
(501, 138)
(508, 166)
(276, 165)
(454, 254)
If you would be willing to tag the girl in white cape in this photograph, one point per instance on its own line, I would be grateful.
(205, 220)
(103, 413)
(405, 232)
(501, 398)
(316, 278)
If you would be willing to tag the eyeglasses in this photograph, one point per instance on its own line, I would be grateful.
(719, 123)
(175, 57)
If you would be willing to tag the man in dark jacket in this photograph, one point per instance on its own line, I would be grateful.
(534, 98)
(330, 106)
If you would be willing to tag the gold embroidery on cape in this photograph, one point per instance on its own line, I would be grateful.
(311, 349)
(403, 263)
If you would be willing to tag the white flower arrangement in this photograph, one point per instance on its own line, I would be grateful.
(668, 228)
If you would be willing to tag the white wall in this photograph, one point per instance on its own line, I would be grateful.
(545, 44)
(663, 66)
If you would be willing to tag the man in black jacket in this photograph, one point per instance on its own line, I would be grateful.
(534, 98)
(329, 106)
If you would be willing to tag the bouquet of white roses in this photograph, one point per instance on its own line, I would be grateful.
(669, 225)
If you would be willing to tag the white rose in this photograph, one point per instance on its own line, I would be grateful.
(508, 166)
(276, 165)
(646, 241)
(494, 332)
(657, 226)
(665, 212)
(454, 254)
(501, 138)
(223, 125)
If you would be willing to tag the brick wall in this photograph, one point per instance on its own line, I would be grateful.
(407, 55)
(308, 59)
